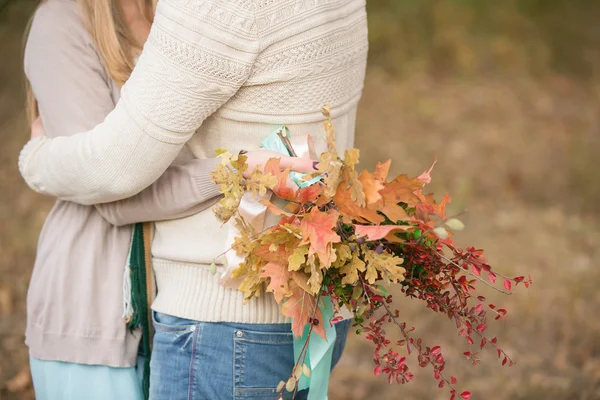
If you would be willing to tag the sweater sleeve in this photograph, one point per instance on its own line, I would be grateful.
(191, 64)
(74, 94)
(181, 191)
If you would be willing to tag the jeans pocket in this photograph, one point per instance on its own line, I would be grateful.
(174, 332)
(169, 323)
(261, 360)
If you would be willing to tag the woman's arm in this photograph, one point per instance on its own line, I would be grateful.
(74, 94)
(192, 63)
(181, 191)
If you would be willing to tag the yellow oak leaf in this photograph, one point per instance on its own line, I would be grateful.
(351, 269)
(298, 258)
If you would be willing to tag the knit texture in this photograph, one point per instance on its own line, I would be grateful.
(213, 74)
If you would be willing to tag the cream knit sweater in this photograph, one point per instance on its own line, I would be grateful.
(235, 69)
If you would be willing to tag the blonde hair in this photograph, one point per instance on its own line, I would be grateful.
(112, 37)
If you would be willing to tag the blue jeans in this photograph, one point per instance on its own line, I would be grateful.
(194, 360)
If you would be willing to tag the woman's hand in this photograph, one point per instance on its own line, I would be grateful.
(37, 129)
(258, 159)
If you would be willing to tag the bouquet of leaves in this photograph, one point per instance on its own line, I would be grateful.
(352, 237)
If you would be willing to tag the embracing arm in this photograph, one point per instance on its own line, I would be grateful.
(74, 95)
(190, 66)
(181, 191)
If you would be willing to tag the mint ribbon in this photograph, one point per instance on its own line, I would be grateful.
(273, 142)
(318, 356)
(319, 353)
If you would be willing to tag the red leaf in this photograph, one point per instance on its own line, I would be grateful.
(453, 380)
(483, 342)
(465, 395)
(377, 370)
(436, 350)
(441, 384)
(469, 340)
(507, 284)
(492, 277)
(504, 361)
(476, 270)
(481, 327)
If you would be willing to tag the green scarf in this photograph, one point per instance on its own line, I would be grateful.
(139, 300)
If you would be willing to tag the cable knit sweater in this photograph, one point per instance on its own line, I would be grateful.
(235, 69)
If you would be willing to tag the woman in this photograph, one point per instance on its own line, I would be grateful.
(235, 69)
(77, 56)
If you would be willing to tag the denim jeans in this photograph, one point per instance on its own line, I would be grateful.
(194, 360)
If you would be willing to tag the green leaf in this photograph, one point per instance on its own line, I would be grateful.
(381, 290)
(357, 292)
(213, 268)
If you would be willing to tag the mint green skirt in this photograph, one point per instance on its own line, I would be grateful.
(56, 380)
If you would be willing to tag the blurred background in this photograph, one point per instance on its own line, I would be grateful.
(507, 95)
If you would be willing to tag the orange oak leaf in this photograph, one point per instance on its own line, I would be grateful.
(279, 280)
(309, 194)
(371, 186)
(317, 229)
(274, 209)
(429, 206)
(382, 170)
(351, 211)
(392, 210)
(300, 306)
(293, 208)
(273, 253)
(376, 232)
(403, 189)
(281, 189)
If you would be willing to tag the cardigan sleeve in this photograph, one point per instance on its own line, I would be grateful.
(191, 64)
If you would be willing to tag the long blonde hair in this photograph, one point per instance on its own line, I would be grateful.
(112, 37)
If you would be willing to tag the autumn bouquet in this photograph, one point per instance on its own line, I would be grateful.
(350, 239)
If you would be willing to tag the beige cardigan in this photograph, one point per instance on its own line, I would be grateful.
(74, 303)
(213, 74)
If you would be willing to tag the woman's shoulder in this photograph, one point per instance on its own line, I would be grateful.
(58, 22)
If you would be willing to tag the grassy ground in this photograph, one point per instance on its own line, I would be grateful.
(508, 97)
